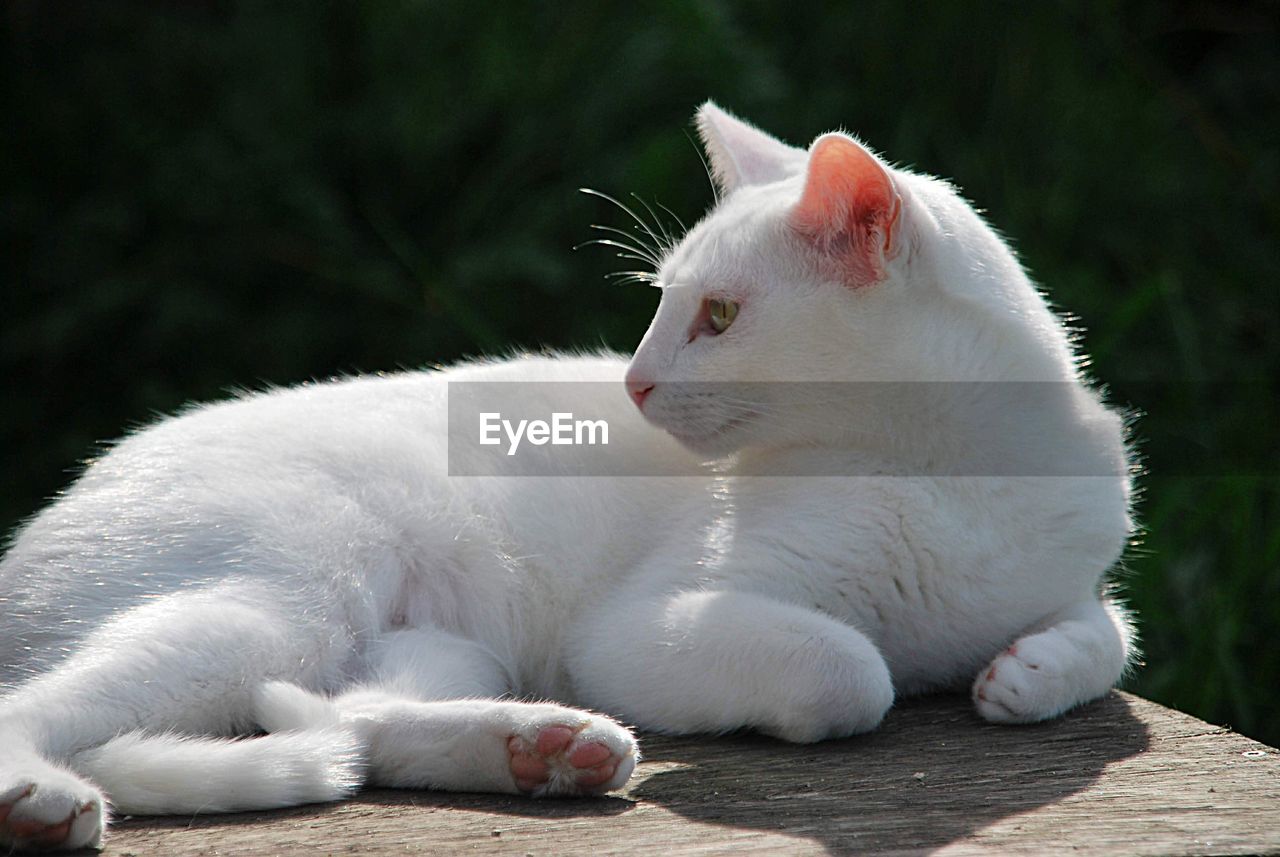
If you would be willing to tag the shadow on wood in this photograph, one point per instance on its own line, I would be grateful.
(1120, 776)
(933, 774)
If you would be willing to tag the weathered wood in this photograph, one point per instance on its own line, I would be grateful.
(1121, 776)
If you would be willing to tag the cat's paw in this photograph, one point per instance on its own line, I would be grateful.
(587, 756)
(51, 810)
(1026, 683)
(1045, 674)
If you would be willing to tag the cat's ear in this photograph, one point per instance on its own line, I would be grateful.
(741, 154)
(851, 208)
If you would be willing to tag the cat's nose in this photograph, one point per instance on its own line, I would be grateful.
(639, 391)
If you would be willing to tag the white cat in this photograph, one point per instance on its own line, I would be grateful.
(301, 563)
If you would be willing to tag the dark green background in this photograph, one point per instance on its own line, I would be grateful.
(204, 195)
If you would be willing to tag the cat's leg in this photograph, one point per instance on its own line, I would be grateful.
(489, 745)
(429, 719)
(1075, 656)
(185, 662)
(713, 661)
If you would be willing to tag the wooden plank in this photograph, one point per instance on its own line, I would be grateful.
(1120, 776)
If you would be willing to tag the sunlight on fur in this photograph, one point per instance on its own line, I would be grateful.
(280, 598)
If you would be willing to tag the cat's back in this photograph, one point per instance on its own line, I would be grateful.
(353, 433)
(340, 480)
(184, 501)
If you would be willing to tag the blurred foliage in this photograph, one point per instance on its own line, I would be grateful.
(203, 195)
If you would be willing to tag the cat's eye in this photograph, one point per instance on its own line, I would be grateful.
(721, 313)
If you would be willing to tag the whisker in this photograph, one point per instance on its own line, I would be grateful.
(645, 277)
(631, 252)
(674, 216)
(658, 250)
(625, 208)
(706, 168)
(649, 275)
(645, 248)
(640, 238)
(667, 241)
(633, 257)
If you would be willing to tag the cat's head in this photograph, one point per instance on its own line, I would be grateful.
(826, 265)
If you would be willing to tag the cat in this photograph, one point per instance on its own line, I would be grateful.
(276, 599)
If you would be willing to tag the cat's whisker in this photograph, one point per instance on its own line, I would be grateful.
(652, 252)
(628, 277)
(636, 244)
(637, 218)
(645, 274)
(658, 249)
(629, 251)
(706, 168)
(668, 242)
(631, 256)
(675, 216)
(645, 277)
(636, 235)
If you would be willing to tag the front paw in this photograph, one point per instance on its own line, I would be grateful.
(1026, 683)
(50, 809)
(827, 691)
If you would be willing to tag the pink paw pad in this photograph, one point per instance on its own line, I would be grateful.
(1011, 652)
(36, 832)
(557, 752)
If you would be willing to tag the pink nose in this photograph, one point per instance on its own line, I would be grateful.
(639, 391)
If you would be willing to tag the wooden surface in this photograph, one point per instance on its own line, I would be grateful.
(1121, 776)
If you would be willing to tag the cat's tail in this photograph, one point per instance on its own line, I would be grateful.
(145, 774)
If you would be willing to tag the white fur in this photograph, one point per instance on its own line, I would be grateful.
(299, 561)
(161, 774)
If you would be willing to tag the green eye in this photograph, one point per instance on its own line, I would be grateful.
(721, 313)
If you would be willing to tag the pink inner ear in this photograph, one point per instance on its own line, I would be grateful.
(849, 207)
